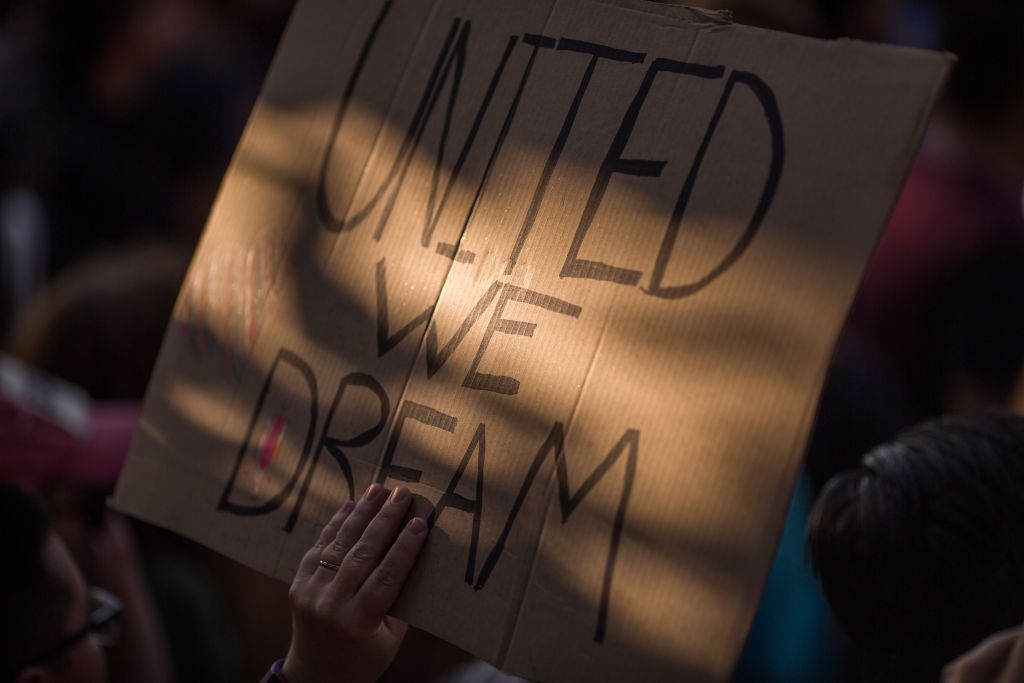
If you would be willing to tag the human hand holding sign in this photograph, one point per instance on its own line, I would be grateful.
(344, 587)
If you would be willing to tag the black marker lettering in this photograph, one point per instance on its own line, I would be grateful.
(385, 340)
(452, 252)
(334, 446)
(766, 97)
(498, 383)
(287, 358)
(537, 42)
(432, 216)
(569, 501)
(475, 506)
(614, 163)
(327, 217)
(437, 358)
(431, 95)
(422, 414)
(442, 68)
(597, 52)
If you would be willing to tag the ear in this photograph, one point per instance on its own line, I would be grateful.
(33, 674)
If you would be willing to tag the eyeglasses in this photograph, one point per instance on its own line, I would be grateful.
(102, 626)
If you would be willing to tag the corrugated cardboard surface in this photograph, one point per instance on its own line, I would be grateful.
(573, 269)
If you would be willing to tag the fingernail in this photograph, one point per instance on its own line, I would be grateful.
(347, 507)
(373, 492)
(399, 495)
(417, 526)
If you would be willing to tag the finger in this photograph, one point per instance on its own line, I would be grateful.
(379, 592)
(396, 626)
(983, 662)
(380, 533)
(311, 559)
(351, 530)
(1014, 670)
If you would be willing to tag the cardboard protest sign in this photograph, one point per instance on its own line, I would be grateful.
(572, 271)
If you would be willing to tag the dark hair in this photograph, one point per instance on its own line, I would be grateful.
(919, 550)
(33, 602)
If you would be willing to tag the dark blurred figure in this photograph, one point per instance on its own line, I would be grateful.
(100, 324)
(43, 602)
(939, 324)
(975, 320)
(122, 114)
(52, 624)
(935, 328)
(959, 345)
(963, 198)
(919, 548)
(71, 450)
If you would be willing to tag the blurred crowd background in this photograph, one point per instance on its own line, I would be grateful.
(118, 119)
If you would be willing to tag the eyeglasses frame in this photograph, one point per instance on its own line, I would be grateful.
(108, 610)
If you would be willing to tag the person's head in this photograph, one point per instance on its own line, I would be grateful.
(919, 550)
(50, 628)
(99, 323)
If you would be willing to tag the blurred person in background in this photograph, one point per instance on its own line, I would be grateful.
(935, 328)
(53, 624)
(962, 201)
(70, 450)
(117, 120)
(918, 549)
(975, 321)
(121, 115)
(100, 325)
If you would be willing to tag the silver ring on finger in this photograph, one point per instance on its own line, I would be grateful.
(329, 565)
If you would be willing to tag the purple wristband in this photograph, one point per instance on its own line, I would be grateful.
(276, 673)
